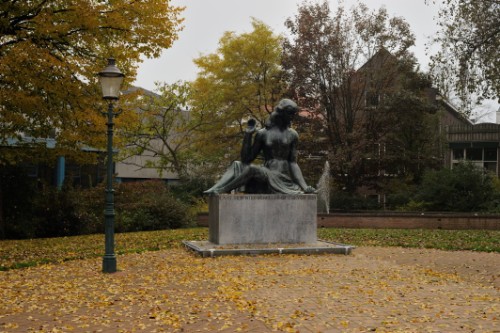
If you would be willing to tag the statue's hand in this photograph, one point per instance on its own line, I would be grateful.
(310, 189)
(250, 126)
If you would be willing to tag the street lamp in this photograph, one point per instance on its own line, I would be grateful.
(111, 79)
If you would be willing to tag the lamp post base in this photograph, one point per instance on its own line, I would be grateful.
(109, 264)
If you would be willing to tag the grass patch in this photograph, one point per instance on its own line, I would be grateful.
(451, 240)
(25, 253)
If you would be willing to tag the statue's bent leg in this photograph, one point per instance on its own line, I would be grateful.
(247, 173)
(233, 174)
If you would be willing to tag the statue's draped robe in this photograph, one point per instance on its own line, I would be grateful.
(275, 175)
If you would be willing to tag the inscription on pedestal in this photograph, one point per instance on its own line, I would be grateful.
(262, 218)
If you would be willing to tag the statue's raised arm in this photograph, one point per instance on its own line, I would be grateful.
(248, 151)
(278, 144)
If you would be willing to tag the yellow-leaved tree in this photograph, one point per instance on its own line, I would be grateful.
(50, 52)
(241, 80)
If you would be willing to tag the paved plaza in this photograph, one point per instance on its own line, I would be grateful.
(371, 290)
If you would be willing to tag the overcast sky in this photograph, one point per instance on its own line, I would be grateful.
(207, 20)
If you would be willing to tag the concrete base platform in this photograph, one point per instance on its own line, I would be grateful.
(208, 249)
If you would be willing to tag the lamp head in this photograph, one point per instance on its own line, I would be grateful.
(111, 79)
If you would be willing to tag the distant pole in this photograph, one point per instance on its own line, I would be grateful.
(60, 172)
(111, 79)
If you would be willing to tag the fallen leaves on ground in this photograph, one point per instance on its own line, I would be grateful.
(32, 252)
(177, 291)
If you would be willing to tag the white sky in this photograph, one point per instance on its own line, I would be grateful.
(207, 20)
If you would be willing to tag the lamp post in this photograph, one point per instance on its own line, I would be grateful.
(111, 79)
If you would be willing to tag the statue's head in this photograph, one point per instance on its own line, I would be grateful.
(287, 107)
(283, 113)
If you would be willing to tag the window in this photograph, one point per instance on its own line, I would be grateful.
(458, 154)
(474, 154)
(490, 154)
(491, 166)
(484, 158)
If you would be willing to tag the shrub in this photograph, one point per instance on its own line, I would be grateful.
(149, 205)
(190, 190)
(493, 206)
(413, 206)
(464, 188)
(89, 208)
(17, 195)
(69, 211)
(340, 200)
(44, 211)
(399, 193)
(54, 213)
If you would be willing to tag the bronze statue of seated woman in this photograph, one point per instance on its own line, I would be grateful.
(277, 142)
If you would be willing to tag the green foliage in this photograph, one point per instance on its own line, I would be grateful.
(55, 213)
(66, 212)
(493, 205)
(453, 240)
(341, 200)
(149, 205)
(465, 188)
(190, 189)
(17, 195)
(412, 137)
(48, 212)
(412, 206)
(399, 193)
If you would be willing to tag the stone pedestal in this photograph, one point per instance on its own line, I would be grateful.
(262, 219)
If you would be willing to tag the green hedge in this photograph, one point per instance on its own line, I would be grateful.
(48, 212)
(149, 205)
(465, 188)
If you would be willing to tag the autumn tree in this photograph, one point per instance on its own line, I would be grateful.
(161, 138)
(241, 80)
(467, 62)
(412, 144)
(50, 52)
(339, 65)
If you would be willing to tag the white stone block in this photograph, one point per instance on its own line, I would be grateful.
(262, 218)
